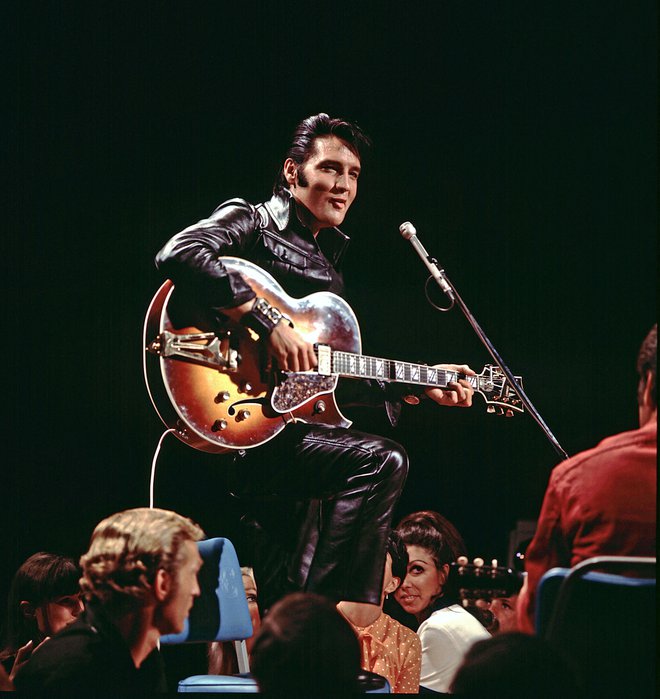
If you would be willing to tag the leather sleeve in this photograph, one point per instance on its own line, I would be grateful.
(190, 258)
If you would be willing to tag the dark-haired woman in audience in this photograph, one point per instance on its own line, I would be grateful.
(446, 629)
(44, 598)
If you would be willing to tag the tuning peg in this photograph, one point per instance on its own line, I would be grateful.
(478, 562)
(508, 413)
(462, 560)
(490, 409)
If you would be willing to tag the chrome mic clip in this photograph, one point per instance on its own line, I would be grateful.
(408, 231)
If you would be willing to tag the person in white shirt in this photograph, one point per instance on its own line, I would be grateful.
(447, 630)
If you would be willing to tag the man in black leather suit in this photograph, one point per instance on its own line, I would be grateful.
(352, 479)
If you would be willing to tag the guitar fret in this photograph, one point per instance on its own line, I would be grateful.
(359, 365)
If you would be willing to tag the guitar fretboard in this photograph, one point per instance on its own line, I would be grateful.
(361, 366)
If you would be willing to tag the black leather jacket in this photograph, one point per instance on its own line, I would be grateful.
(272, 236)
(268, 234)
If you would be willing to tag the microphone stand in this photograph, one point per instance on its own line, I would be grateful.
(450, 290)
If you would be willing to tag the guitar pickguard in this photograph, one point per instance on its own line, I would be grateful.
(297, 389)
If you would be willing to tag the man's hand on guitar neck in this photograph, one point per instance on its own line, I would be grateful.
(458, 393)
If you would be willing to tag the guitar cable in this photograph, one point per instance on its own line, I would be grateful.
(154, 461)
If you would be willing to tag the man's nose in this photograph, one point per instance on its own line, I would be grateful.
(79, 608)
(341, 183)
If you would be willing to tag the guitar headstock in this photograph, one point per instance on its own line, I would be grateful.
(477, 581)
(498, 392)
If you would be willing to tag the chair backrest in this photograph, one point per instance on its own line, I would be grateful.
(604, 624)
(221, 612)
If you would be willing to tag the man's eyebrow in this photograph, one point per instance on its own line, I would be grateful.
(330, 161)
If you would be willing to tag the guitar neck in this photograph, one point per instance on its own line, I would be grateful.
(364, 367)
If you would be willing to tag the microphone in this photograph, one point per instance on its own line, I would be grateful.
(408, 231)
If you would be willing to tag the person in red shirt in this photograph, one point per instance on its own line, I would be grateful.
(602, 501)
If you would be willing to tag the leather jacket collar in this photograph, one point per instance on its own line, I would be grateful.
(281, 208)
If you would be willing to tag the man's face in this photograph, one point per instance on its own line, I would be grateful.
(331, 175)
(185, 588)
(504, 610)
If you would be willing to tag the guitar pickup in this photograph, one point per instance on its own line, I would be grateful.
(206, 349)
(324, 356)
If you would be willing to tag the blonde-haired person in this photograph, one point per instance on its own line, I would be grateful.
(222, 654)
(139, 578)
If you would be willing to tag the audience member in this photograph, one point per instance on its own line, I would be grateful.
(139, 578)
(44, 598)
(514, 665)
(601, 501)
(222, 655)
(306, 648)
(388, 648)
(504, 610)
(446, 629)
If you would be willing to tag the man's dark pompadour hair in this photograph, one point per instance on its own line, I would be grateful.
(302, 142)
(399, 553)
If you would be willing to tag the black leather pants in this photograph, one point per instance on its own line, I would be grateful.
(320, 500)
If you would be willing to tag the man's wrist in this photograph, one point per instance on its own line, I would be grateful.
(262, 318)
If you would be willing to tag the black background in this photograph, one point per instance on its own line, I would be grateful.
(520, 138)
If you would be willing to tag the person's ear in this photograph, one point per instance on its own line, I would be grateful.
(162, 585)
(27, 609)
(647, 392)
(444, 573)
(392, 586)
(290, 170)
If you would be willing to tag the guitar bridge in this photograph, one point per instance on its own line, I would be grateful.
(206, 349)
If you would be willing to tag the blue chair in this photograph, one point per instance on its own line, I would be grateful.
(220, 613)
(604, 624)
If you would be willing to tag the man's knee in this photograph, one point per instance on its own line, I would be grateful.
(395, 460)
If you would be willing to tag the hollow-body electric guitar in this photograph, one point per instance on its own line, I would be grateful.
(219, 391)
